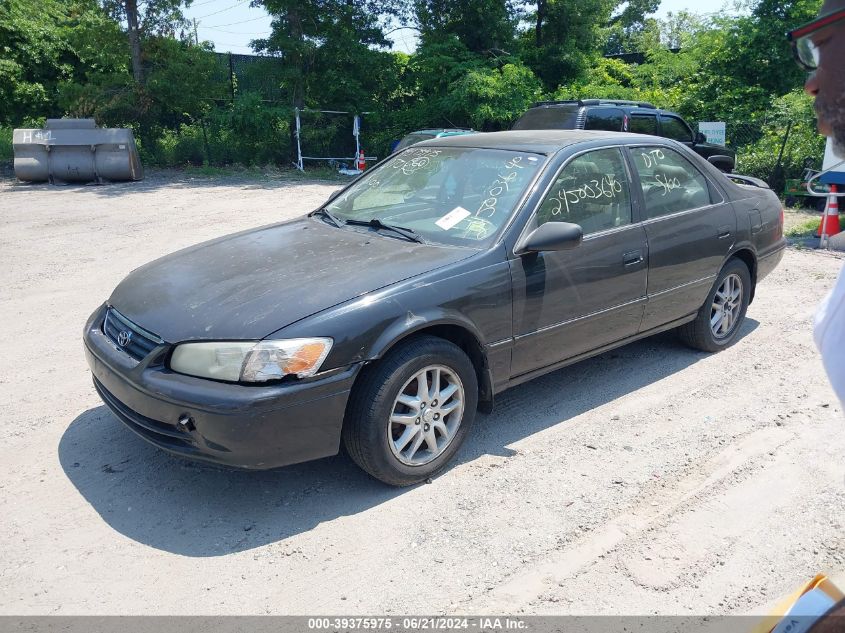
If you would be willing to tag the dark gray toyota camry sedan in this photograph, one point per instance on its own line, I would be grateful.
(453, 270)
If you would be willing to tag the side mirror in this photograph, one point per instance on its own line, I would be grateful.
(551, 236)
(334, 194)
(700, 138)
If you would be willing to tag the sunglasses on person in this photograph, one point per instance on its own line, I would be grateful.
(803, 47)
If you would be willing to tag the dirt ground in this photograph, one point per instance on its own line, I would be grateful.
(651, 479)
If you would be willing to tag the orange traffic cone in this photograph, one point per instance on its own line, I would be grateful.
(362, 164)
(829, 224)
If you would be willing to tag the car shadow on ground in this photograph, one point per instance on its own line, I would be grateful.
(199, 510)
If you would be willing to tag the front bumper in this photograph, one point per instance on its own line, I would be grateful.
(244, 426)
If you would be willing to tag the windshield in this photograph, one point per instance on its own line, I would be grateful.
(450, 195)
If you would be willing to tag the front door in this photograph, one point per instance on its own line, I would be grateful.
(567, 303)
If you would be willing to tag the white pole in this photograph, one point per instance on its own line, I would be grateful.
(299, 162)
(356, 130)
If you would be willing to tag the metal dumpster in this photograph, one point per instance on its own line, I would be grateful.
(75, 150)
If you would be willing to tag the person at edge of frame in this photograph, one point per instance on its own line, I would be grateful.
(819, 47)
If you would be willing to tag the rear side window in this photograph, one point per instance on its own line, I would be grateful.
(670, 182)
(563, 117)
(609, 119)
(592, 191)
(643, 124)
(675, 129)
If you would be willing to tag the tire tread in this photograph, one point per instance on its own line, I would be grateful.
(697, 333)
(371, 389)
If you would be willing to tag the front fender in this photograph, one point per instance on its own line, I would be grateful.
(472, 300)
(414, 322)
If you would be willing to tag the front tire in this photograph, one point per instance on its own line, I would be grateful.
(721, 317)
(410, 412)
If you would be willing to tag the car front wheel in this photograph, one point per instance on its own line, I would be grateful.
(719, 320)
(410, 412)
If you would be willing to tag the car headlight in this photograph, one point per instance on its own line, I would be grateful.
(251, 361)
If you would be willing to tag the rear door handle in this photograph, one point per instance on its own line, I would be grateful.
(632, 258)
(724, 232)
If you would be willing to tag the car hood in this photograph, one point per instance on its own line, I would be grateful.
(250, 284)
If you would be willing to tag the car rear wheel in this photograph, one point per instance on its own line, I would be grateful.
(719, 320)
(410, 412)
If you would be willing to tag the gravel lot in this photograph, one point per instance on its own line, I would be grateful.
(652, 479)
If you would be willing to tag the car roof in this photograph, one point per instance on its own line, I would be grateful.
(631, 108)
(537, 141)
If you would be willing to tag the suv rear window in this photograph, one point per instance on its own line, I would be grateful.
(562, 117)
(609, 119)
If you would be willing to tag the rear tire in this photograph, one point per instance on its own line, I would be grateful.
(717, 324)
(410, 412)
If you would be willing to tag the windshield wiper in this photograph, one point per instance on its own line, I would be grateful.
(404, 231)
(328, 214)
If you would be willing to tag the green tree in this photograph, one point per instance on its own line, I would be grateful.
(308, 35)
(480, 25)
(565, 38)
(793, 111)
(45, 44)
(145, 19)
(625, 27)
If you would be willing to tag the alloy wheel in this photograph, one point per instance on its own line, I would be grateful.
(727, 306)
(426, 415)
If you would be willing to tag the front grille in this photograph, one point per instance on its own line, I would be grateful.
(118, 328)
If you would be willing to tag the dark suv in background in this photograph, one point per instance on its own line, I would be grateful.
(623, 116)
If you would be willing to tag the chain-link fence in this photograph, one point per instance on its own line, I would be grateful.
(260, 107)
(776, 151)
(259, 74)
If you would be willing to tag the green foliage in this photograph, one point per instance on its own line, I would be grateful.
(480, 25)
(626, 28)
(807, 228)
(6, 153)
(804, 142)
(42, 44)
(566, 36)
(480, 64)
(492, 98)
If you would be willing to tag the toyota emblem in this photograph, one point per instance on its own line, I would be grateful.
(123, 338)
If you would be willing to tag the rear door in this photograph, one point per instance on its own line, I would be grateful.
(609, 119)
(643, 123)
(569, 302)
(690, 229)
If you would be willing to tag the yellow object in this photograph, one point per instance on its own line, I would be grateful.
(820, 583)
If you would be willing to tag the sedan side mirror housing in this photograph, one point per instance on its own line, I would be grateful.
(551, 236)
(334, 194)
(700, 138)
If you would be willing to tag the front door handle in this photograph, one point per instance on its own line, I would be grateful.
(632, 258)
